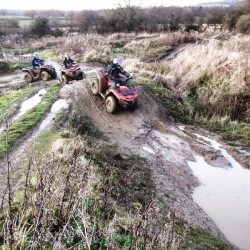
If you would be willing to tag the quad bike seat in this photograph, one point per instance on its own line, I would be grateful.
(126, 91)
(72, 68)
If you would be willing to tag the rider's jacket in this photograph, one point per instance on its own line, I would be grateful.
(36, 62)
(68, 62)
(115, 71)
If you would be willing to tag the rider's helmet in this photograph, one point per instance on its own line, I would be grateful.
(117, 61)
(36, 55)
(67, 55)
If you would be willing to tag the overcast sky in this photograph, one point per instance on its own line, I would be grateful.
(90, 4)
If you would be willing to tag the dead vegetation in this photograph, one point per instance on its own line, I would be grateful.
(90, 196)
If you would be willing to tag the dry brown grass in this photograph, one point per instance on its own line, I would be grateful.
(65, 201)
(176, 38)
(228, 62)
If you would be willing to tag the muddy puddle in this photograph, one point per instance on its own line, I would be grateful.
(30, 103)
(56, 107)
(148, 149)
(224, 195)
(27, 105)
(223, 192)
(14, 78)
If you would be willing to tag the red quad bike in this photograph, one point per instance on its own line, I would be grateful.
(73, 72)
(125, 96)
(45, 72)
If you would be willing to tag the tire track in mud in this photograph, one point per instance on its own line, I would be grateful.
(133, 132)
(21, 152)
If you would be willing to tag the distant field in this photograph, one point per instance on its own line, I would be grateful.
(14, 17)
(25, 23)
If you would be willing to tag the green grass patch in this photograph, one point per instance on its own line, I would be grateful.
(208, 88)
(129, 175)
(28, 120)
(173, 106)
(6, 67)
(24, 23)
(202, 239)
(85, 126)
(45, 141)
(8, 100)
(48, 55)
(123, 241)
(198, 238)
(230, 130)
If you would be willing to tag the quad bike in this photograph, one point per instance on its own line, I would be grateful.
(126, 96)
(73, 72)
(44, 72)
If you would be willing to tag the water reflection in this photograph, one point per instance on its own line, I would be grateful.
(224, 195)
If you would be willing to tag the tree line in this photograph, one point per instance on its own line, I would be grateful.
(130, 18)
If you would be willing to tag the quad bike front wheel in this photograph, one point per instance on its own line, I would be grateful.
(83, 75)
(95, 87)
(135, 105)
(45, 76)
(111, 104)
(28, 77)
(65, 79)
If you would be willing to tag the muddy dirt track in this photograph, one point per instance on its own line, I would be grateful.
(147, 131)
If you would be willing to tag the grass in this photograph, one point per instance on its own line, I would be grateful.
(28, 120)
(122, 181)
(48, 54)
(129, 175)
(173, 106)
(202, 239)
(109, 202)
(85, 126)
(11, 98)
(25, 23)
(45, 141)
(6, 67)
(230, 130)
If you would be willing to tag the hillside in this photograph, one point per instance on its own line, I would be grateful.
(77, 176)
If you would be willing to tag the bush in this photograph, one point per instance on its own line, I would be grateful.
(41, 27)
(243, 24)
(57, 32)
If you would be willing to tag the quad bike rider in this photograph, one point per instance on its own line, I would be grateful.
(71, 71)
(115, 86)
(39, 70)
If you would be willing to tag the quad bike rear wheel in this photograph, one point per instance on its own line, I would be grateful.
(28, 77)
(95, 87)
(45, 76)
(111, 104)
(65, 79)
